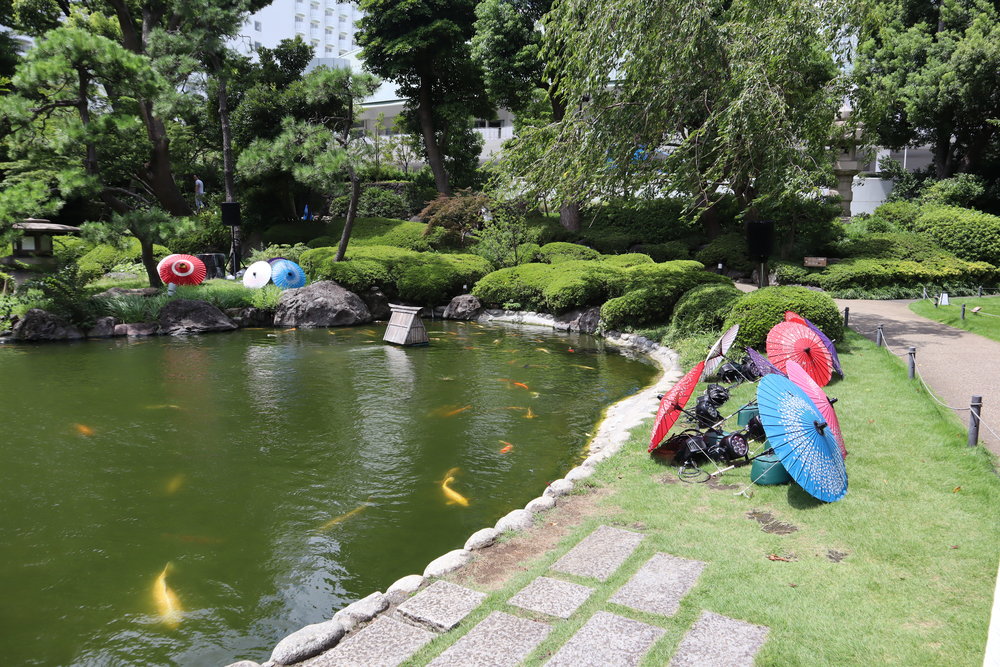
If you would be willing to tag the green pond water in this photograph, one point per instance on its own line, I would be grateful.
(229, 456)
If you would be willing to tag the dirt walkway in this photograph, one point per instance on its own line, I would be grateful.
(955, 364)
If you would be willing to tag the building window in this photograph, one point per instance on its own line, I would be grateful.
(257, 45)
(299, 18)
(329, 12)
(257, 26)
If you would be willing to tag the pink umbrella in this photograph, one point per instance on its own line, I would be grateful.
(183, 270)
(798, 375)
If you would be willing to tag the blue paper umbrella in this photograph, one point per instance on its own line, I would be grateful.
(286, 274)
(801, 438)
(829, 345)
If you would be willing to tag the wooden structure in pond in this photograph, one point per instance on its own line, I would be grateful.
(405, 327)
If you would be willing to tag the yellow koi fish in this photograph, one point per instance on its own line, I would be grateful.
(174, 484)
(167, 605)
(515, 407)
(344, 517)
(453, 496)
(589, 368)
(163, 407)
(529, 414)
(83, 429)
(542, 349)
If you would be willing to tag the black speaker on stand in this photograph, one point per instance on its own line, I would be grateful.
(231, 217)
(760, 239)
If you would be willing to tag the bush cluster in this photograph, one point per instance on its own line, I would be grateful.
(103, 257)
(652, 290)
(703, 308)
(969, 234)
(756, 312)
(730, 249)
(554, 288)
(553, 253)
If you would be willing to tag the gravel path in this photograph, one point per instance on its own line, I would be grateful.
(954, 363)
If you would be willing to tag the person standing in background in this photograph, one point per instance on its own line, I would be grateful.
(199, 192)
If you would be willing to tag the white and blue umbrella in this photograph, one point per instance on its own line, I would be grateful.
(257, 275)
(286, 274)
(801, 438)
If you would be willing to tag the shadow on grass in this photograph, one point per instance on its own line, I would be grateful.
(801, 500)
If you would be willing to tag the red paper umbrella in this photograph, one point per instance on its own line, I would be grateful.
(791, 340)
(823, 403)
(183, 270)
(792, 316)
(672, 403)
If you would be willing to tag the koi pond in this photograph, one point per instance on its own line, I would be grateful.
(281, 474)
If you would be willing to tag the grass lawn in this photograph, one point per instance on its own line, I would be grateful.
(985, 323)
(916, 538)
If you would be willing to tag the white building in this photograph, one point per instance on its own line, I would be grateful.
(326, 25)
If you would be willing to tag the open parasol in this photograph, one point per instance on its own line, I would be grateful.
(183, 270)
(673, 403)
(286, 274)
(718, 351)
(257, 275)
(834, 359)
(801, 438)
(791, 340)
(792, 316)
(819, 399)
(166, 260)
(763, 366)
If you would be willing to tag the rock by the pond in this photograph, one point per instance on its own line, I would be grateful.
(482, 539)
(361, 611)
(515, 520)
(449, 562)
(251, 317)
(463, 307)
(377, 303)
(404, 588)
(560, 487)
(138, 291)
(321, 304)
(188, 316)
(540, 504)
(137, 329)
(244, 663)
(41, 325)
(104, 327)
(579, 472)
(307, 642)
(584, 320)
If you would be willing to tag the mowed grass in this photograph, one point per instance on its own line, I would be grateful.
(985, 323)
(918, 531)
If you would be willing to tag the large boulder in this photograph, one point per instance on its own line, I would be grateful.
(41, 325)
(377, 303)
(584, 321)
(251, 317)
(188, 316)
(321, 304)
(463, 307)
(104, 327)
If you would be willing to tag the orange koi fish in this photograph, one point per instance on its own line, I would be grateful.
(456, 411)
(521, 385)
(507, 448)
(83, 429)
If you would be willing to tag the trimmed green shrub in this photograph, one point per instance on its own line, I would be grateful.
(788, 273)
(863, 273)
(664, 252)
(969, 234)
(291, 252)
(639, 220)
(652, 291)
(730, 249)
(892, 245)
(69, 248)
(553, 253)
(703, 308)
(960, 190)
(103, 257)
(756, 312)
(609, 243)
(377, 202)
(900, 214)
(290, 233)
(628, 260)
(554, 288)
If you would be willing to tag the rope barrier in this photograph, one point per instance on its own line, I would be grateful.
(916, 373)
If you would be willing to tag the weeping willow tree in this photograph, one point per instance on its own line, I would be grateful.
(684, 97)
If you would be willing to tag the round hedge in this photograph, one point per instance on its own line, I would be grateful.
(756, 312)
(703, 308)
(561, 251)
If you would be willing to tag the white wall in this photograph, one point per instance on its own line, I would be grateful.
(869, 193)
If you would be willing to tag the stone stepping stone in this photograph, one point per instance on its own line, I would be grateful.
(441, 606)
(385, 643)
(500, 640)
(552, 597)
(660, 584)
(599, 554)
(607, 640)
(719, 641)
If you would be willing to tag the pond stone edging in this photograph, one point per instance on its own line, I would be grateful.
(611, 435)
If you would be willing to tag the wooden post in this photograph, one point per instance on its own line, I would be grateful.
(879, 336)
(975, 414)
(847, 316)
(912, 363)
(963, 311)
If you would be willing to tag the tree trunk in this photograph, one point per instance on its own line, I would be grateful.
(149, 262)
(229, 181)
(569, 216)
(352, 211)
(434, 158)
(944, 164)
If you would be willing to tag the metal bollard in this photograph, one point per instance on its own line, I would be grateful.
(925, 294)
(912, 362)
(847, 316)
(980, 291)
(963, 311)
(879, 336)
(975, 414)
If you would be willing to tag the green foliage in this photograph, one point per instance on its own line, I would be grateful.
(962, 190)
(554, 288)
(68, 249)
(664, 252)
(702, 309)
(969, 234)
(65, 295)
(871, 274)
(206, 234)
(789, 273)
(459, 215)
(553, 253)
(266, 298)
(641, 220)
(504, 239)
(104, 256)
(756, 312)
(893, 245)
(629, 260)
(291, 233)
(730, 249)
(132, 307)
(291, 252)
(382, 203)
(900, 214)
(652, 290)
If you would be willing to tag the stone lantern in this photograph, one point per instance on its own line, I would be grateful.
(846, 165)
(34, 246)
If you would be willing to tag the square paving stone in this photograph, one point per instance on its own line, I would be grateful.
(607, 640)
(385, 643)
(702, 647)
(599, 554)
(552, 597)
(441, 606)
(660, 584)
(500, 640)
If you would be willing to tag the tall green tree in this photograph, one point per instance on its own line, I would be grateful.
(423, 46)
(683, 97)
(927, 72)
